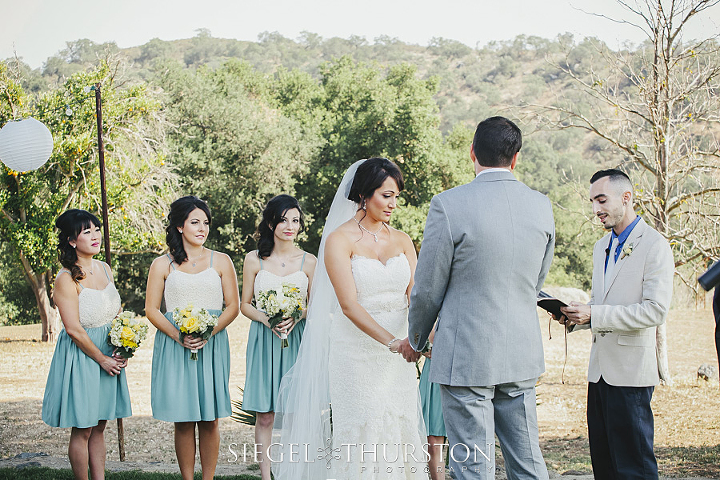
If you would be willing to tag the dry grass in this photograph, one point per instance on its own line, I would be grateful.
(687, 424)
(23, 373)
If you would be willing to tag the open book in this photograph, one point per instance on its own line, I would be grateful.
(551, 304)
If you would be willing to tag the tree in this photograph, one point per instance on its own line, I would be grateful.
(138, 181)
(368, 111)
(658, 107)
(232, 146)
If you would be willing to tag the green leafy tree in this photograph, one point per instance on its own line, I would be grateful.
(232, 146)
(370, 112)
(138, 181)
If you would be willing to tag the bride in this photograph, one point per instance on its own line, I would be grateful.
(349, 407)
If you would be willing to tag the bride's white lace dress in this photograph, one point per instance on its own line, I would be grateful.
(373, 392)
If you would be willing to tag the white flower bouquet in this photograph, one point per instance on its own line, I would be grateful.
(288, 303)
(196, 322)
(127, 332)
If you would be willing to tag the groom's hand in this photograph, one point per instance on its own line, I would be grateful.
(407, 351)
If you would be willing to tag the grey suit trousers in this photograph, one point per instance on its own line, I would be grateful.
(473, 415)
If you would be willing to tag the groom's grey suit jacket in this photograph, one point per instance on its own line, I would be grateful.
(486, 251)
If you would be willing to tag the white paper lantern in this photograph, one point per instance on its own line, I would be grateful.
(25, 145)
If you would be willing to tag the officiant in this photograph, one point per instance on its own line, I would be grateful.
(632, 281)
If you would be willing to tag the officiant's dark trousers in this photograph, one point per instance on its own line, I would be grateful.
(621, 431)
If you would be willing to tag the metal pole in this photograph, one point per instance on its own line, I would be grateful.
(106, 229)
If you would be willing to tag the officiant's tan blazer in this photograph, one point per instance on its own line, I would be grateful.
(627, 311)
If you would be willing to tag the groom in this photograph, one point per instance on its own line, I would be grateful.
(486, 251)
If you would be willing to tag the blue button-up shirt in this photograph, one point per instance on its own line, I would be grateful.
(621, 240)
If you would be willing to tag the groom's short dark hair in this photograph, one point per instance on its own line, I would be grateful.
(496, 142)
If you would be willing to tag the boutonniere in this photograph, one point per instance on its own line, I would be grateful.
(627, 251)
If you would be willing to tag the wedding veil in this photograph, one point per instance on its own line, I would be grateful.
(302, 434)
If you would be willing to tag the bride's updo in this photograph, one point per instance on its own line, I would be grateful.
(70, 224)
(370, 176)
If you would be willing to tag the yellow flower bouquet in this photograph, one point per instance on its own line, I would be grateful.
(196, 322)
(127, 332)
(288, 303)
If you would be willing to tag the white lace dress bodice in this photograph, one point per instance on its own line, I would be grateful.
(203, 289)
(265, 280)
(98, 307)
(373, 392)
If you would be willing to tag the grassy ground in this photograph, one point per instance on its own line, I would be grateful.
(687, 423)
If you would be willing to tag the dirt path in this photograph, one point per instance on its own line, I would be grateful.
(686, 414)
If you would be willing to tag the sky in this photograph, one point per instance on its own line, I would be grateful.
(37, 29)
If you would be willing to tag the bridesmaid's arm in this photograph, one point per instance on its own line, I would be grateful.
(65, 295)
(153, 298)
(338, 251)
(251, 267)
(230, 292)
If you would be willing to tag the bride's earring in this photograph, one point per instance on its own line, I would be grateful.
(180, 232)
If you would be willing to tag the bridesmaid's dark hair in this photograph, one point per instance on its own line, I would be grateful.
(70, 224)
(273, 214)
(370, 176)
(179, 211)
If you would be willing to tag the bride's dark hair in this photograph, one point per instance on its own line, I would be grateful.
(273, 214)
(70, 224)
(370, 176)
(179, 211)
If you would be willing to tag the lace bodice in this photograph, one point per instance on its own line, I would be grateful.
(265, 280)
(203, 289)
(381, 288)
(98, 307)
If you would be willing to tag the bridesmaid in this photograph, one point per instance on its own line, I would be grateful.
(184, 391)
(86, 385)
(433, 416)
(277, 260)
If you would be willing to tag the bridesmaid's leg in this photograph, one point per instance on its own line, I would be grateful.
(96, 450)
(209, 433)
(185, 448)
(263, 437)
(436, 463)
(78, 452)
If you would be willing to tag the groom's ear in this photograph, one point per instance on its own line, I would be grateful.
(472, 153)
(513, 163)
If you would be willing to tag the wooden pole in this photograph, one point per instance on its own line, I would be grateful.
(106, 229)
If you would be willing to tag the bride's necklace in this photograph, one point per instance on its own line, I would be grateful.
(374, 234)
(194, 262)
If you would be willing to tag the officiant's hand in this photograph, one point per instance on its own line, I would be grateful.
(404, 349)
(577, 313)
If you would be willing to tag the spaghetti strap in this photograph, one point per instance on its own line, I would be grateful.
(303, 261)
(65, 270)
(62, 270)
(106, 273)
(171, 261)
(211, 257)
